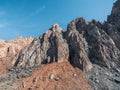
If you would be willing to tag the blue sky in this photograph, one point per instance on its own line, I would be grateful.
(33, 17)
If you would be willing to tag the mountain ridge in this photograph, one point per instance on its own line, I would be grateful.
(93, 47)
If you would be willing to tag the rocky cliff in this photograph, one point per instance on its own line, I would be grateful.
(93, 47)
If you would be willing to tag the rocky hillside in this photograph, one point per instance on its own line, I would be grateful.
(93, 47)
(8, 50)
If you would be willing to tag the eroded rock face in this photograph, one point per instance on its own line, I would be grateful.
(96, 45)
(51, 47)
(78, 45)
(84, 43)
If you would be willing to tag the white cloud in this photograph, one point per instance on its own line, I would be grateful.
(37, 11)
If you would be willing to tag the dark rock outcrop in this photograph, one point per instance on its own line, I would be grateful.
(54, 46)
(97, 46)
(51, 47)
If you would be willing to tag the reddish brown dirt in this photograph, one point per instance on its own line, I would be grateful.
(5, 63)
(65, 77)
(2, 66)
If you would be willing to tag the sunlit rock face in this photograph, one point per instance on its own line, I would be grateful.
(12, 47)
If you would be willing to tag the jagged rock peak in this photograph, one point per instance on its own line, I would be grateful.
(114, 18)
(80, 23)
(93, 40)
(56, 28)
(48, 48)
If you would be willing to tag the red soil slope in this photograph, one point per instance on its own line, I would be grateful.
(56, 76)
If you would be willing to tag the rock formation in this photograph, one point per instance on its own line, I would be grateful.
(93, 47)
(77, 45)
(51, 47)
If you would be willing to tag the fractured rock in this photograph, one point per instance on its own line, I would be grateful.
(51, 47)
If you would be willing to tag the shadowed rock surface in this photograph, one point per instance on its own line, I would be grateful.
(93, 47)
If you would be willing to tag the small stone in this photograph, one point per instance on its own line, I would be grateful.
(57, 78)
(51, 76)
(74, 75)
(96, 80)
